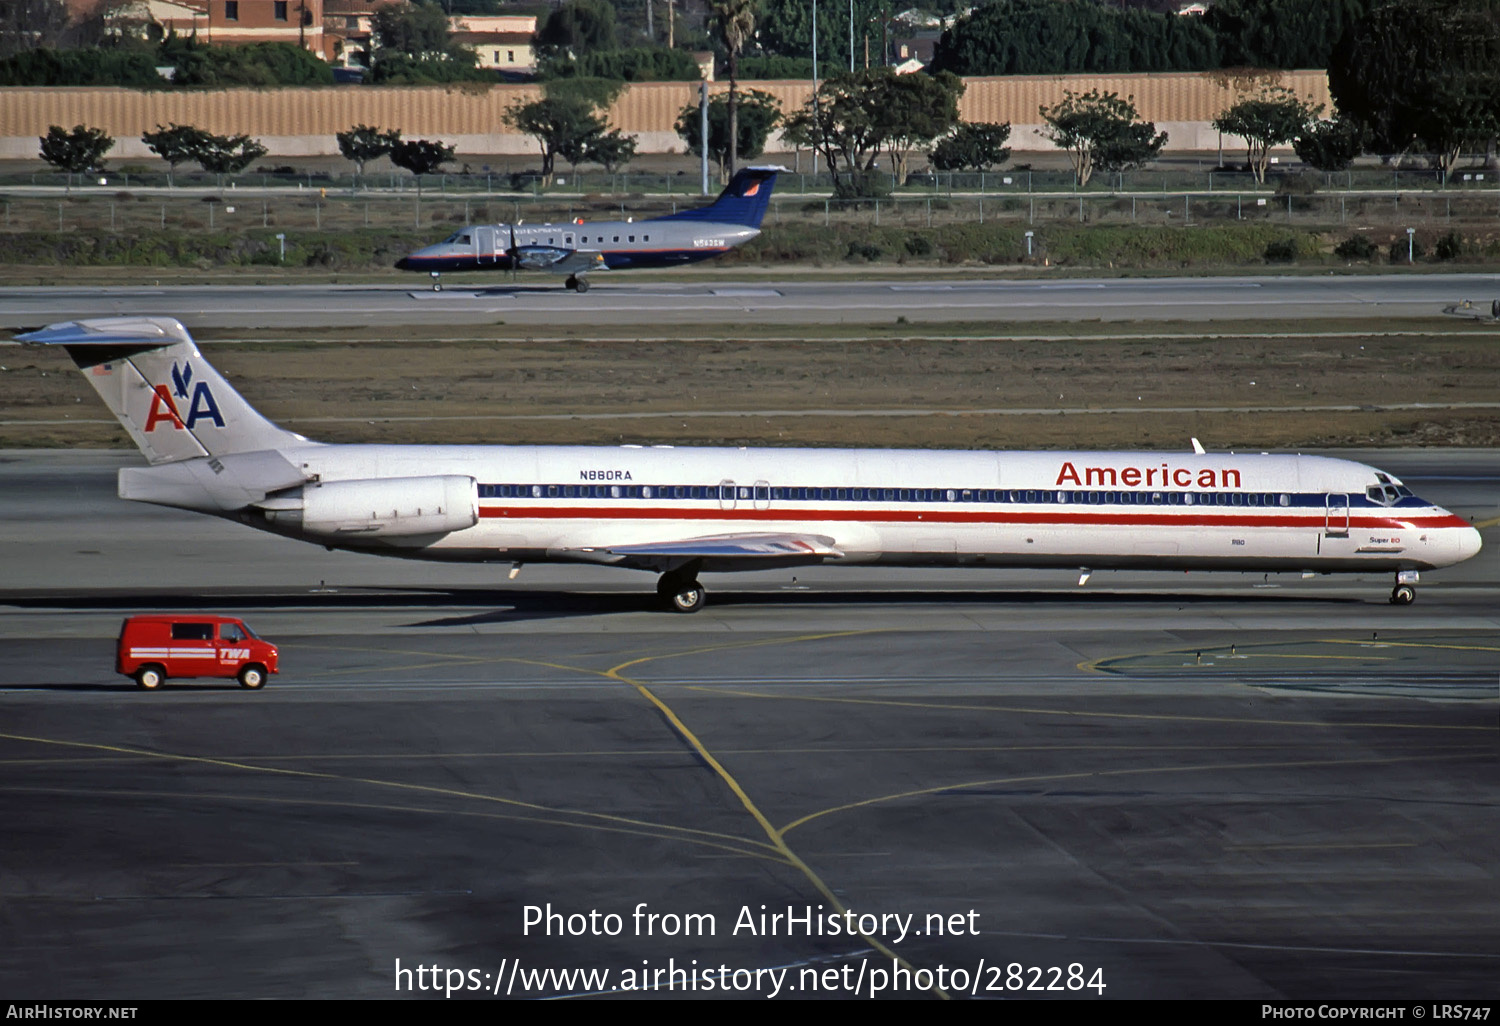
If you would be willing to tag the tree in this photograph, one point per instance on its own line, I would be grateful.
(248, 64)
(640, 64)
(758, 114)
(1422, 73)
(227, 154)
(579, 27)
(1273, 118)
(613, 150)
(420, 157)
(562, 126)
(1044, 37)
(416, 47)
(842, 123)
(734, 24)
(414, 29)
(1330, 145)
(363, 143)
(784, 27)
(80, 150)
(175, 144)
(912, 111)
(1101, 132)
(972, 147)
(28, 24)
(1281, 33)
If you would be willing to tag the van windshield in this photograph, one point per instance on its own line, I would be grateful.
(246, 628)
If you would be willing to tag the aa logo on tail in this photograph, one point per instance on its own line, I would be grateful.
(164, 407)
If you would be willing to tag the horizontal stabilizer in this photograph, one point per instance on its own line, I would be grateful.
(144, 332)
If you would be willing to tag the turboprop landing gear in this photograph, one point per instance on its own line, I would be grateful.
(577, 284)
(437, 285)
(681, 589)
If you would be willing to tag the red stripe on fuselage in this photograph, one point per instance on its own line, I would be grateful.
(992, 517)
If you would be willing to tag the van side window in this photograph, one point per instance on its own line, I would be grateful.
(229, 632)
(192, 632)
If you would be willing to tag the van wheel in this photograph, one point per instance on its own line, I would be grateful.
(252, 677)
(149, 678)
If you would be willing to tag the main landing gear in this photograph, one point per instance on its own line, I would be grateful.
(577, 284)
(681, 589)
(1405, 592)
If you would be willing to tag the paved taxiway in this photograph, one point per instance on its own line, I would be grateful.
(623, 302)
(1202, 786)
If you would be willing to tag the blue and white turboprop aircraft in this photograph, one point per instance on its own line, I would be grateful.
(578, 248)
(681, 511)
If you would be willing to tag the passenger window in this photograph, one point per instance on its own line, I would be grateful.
(192, 632)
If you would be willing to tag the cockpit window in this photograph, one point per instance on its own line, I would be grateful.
(1385, 494)
(462, 238)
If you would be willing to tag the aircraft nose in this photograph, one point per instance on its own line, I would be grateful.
(1469, 543)
(403, 264)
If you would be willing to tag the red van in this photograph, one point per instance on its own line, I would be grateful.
(153, 648)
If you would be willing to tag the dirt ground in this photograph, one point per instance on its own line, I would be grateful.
(957, 392)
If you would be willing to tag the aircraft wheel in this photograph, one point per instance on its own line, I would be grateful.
(572, 283)
(252, 677)
(582, 286)
(688, 598)
(149, 678)
(1403, 595)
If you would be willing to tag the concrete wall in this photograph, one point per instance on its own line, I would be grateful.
(302, 122)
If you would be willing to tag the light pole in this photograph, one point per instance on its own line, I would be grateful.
(1410, 245)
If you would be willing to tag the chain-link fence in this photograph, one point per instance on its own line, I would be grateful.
(101, 211)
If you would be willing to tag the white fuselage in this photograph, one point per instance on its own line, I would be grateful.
(1095, 510)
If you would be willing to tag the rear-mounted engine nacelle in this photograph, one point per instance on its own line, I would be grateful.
(385, 507)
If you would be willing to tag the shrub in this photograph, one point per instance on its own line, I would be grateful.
(1281, 251)
(1398, 251)
(1356, 247)
(1298, 183)
(1449, 247)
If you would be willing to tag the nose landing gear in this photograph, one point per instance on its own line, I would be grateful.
(1405, 592)
(437, 285)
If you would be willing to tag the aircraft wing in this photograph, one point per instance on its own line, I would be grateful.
(580, 261)
(559, 260)
(720, 552)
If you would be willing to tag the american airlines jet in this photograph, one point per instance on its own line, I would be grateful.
(680, 512)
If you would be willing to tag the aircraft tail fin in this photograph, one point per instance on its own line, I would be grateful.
(173, 403)
(743, 201)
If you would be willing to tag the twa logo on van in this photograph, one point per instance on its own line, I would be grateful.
(164, 406)
(231, 654)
